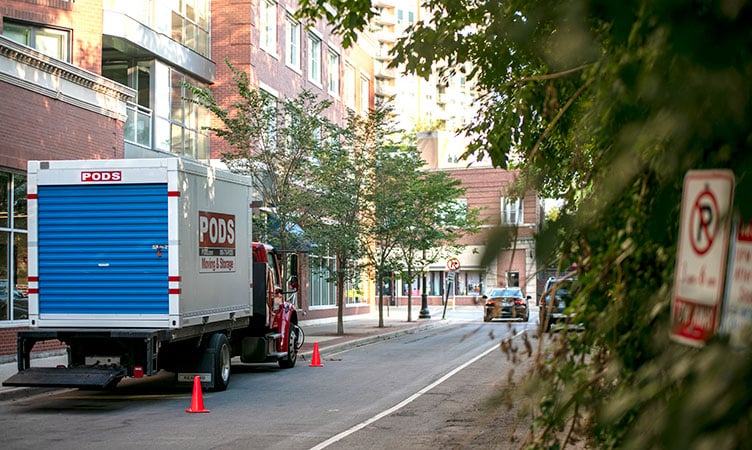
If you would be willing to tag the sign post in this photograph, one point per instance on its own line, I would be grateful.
(453, 264)
(701, 256)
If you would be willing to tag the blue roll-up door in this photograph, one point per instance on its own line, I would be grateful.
(97, 250)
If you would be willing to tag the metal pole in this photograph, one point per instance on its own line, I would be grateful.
(424, 312)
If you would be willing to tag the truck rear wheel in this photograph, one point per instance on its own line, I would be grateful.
(221, 366)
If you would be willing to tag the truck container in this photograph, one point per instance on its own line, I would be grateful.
(142, 265)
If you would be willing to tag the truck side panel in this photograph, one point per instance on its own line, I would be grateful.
(215, 254)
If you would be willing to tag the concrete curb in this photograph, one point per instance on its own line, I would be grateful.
(334, 348)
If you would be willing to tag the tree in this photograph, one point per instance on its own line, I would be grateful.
(272, 141)
(385, 211)
(439, 220)
(330, 204)
(609, 104)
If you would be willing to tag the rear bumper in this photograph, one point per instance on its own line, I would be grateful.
(505, 313)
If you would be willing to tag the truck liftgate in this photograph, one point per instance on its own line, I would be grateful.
(88, 372)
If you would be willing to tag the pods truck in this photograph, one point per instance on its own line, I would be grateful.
(142, 265)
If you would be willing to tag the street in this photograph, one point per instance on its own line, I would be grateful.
(421, 390)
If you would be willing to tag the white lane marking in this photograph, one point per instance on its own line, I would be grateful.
(404, 402)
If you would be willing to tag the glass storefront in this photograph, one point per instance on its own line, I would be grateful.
(13, 247)
(323, 291)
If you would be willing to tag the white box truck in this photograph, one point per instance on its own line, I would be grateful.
(142, 265)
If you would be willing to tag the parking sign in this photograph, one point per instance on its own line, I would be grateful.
(701, 256)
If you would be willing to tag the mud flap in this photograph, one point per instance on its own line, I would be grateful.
(200, 364)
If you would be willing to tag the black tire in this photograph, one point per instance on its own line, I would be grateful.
(288, 362)
(221, 366)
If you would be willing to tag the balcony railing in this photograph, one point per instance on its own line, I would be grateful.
(138, 125)
(383, 89)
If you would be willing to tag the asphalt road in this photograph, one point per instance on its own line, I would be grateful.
(398, 393)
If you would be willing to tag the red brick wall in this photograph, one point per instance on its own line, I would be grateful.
(235, 37)
(507, 263)
(484, 189)
(230, 41)
(8, 341)
(82, 17)
(39, 127)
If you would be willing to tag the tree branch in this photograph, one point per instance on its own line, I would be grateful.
(559, 115)
(550, 76)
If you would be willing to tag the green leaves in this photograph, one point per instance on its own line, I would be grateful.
(273, 140)
(347, 17)
(608, 104)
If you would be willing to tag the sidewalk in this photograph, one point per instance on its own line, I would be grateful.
(359, 330)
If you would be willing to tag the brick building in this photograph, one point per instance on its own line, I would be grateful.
(487, 188)
(104, 79)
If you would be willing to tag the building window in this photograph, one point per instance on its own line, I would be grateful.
(364, 95)
(190, 25)
(349, 86)
(333, 73)
(453, 211)
(271, 99)
(292, 58)
(187, 138)
(513, 279)
(511, 211)
(137, 75)
(13, 245)
(49, 41)
(268, 26)
(435, 283)
(314, 59)
(322, 292)
(354, 293)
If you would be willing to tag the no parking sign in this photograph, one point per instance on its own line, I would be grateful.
(453, 264)
(701, 256)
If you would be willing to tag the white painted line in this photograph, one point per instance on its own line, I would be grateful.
(404, 402)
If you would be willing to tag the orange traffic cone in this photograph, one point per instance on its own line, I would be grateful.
(197, 401)
(316, 358)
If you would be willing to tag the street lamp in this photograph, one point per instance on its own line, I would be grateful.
(424, 312)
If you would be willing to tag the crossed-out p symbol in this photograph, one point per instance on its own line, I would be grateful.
(703, 221)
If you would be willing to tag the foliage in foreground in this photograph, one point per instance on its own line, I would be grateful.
(609, 104)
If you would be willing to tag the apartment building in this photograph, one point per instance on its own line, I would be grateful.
(439, 102)
(104, 79)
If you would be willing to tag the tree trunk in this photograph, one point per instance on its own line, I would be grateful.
(410, 295)
(380, 284)
(340, 300)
